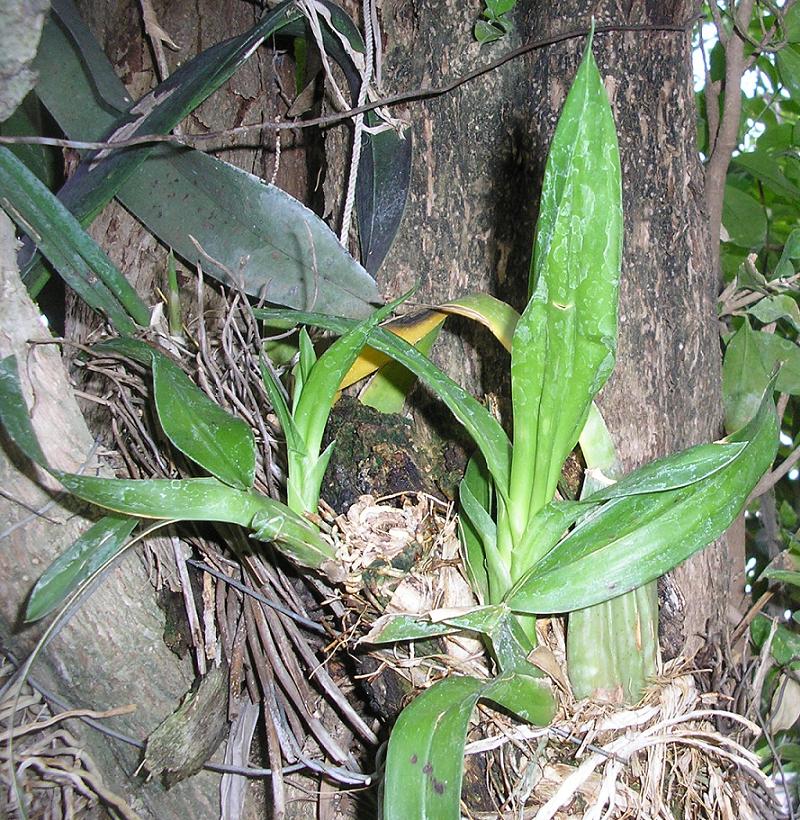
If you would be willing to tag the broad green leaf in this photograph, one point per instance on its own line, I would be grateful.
(475, 418)
(633, 540)
(565, 342)
(278, 249)
(271, 241)
(744, 218)
(425, 757)
(424, 760)
(766, 169)
(788, 59)
(778, 306)
(101, 542)
(744, 376)
(777, 350)
(210, 436)
(71, 251)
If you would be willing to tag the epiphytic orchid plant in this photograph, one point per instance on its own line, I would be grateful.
(527, 554)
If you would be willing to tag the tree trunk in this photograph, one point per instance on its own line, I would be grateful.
(479, 158)
(111, 653)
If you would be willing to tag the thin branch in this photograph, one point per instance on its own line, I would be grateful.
(726, 139)
(205, 141)
(774, 476)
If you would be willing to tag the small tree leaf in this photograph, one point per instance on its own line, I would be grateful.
(778, 306)
(744, 218)
(78, 563)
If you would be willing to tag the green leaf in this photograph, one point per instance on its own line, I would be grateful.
(487, 32)
(101, 542)
(785, 644)
(424, 760)
(476, 419)
(744, 218)
(41, 160)
(776, 350)
(675, 471)
(565, 342)
(210, 436)
(744, 376)
(476, 527)
(213, 438)
(381, 191)
(778, 306)
(317, 393)
(631, 541)
(277, 248)
(71, 251)
(766, 169)
(394, 628)
(14, 413)
(788, 60)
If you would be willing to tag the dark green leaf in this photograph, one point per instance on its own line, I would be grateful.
(275, 246)
(40, 160)
(14, 413)
(744, 218)
(785, 646)
(101, 542)
(71, 251)
(394, 628)
(424, 761)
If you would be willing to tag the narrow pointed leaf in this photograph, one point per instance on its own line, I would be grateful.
(564, 344)
(101, 542)
(529, 696)
(71, 251)
(476, 419)
(394, 628)
(633, 540)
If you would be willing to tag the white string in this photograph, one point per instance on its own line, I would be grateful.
(355, 157)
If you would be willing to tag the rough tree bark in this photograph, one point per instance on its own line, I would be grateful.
(479, 157)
